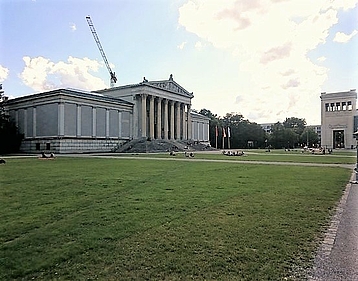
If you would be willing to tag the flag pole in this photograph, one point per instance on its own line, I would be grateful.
(216, 137)
(224, 135)
(228, 137)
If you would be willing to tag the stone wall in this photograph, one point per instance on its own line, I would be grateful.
(70, 145)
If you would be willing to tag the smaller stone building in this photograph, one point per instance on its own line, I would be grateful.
(66, 120)
(338, 112)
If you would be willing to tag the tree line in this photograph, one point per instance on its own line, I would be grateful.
(10, 138)
(291, 133)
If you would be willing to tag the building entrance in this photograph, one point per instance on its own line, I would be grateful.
(338, 139)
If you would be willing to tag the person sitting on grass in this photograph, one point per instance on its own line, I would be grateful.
(44, 156)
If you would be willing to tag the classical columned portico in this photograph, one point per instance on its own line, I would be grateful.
(151, 117)
(162, 118)
(144, 115)
(159, 118)
(184, 136)
(165, 121)
(171, 128)
(189, 121)
(177, 120)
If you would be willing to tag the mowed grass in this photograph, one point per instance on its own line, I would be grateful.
(133, 219)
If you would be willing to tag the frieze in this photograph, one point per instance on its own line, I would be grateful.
(169, 86)
(338, 126)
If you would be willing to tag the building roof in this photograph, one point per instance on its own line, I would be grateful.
(68, 92)
(198, 115)
(167, 85)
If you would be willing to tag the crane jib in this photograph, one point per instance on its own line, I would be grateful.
(95, 36)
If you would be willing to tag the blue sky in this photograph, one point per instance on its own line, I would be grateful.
(264, 59)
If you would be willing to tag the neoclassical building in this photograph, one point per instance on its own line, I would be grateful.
(338, 119)
(67, 120)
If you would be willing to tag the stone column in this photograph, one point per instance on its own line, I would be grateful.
(144, 115)
(61, 120)
(159, 118)
(184, 137)
(79, 121)
(165, 121)
(189, 121)
(34, 121)
(25, 123)
(94, 122)
(172, 120)
(177, 120)
(107, 123)
(151, 117)
(135, 124)
(120, 124)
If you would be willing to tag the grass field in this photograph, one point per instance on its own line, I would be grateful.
(130, 219)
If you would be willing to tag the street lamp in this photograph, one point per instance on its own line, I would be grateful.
(355, 134)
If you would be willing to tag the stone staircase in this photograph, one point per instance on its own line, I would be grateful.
(146, 145)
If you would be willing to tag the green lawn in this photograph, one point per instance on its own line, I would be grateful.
(129, 219)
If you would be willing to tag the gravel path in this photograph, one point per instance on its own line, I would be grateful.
(337, 258)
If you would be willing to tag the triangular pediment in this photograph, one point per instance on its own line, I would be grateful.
(169, 85)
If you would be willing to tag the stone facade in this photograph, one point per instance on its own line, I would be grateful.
(66, 120)
(161, 109)
(338, 111)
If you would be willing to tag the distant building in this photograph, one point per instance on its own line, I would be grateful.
(316, 129)
(267, 127)
(338, 118)
(67, 120)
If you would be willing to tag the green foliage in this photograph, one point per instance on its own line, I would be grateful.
(10, 138)
(296, 124)
(309, 137)
(291, 133)
(142, 219)
(242, 131)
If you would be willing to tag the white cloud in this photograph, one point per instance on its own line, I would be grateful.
(182, 45)
(42, 74)
(321, 59)
(4, 72)
(198, 45)
(270, 39)
(341, 37)
(73, 26)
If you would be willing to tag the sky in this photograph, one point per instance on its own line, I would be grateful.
(265, 59)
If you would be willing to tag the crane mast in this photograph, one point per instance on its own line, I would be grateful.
(95, 36)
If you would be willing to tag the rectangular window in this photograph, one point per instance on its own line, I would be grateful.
(349, 105)
(338, 106)
(332, 106)
(37, 146)
(344, 105)
(48, 146)
(327, 106)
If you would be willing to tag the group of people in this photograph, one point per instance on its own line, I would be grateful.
(189, 154)
(233, 153)
(44, 156)
(186, 154)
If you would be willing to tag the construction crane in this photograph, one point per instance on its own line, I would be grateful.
(95, 36)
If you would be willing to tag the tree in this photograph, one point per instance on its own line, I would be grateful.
(277, 136)
(10, 138)
(243, 131)
(309, 137)
(296, 124)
